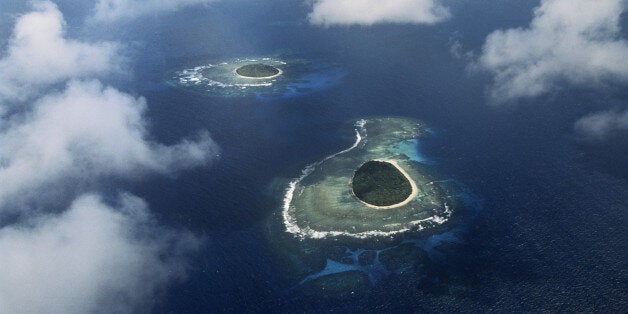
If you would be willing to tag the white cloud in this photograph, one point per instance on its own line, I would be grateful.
(369, 12)
(110, 10)
(573, 41)
(85, 133)
(601, 125)
(38, 54)
(91, 258)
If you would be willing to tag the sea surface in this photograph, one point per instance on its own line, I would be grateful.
(544, 224)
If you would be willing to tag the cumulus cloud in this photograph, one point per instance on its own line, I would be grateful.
(92, 258)
(573, 41)
(38, 54)
(110, 10)
(86, 132)
(369, 12)
(601, 125)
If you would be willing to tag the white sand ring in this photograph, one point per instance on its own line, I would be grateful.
(415, 189)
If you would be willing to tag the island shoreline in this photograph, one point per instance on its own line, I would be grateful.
(415, 189)
(258, 78)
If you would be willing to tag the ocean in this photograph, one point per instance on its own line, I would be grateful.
(543, 220)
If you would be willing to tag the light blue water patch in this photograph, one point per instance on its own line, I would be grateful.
(310, 83)
(332, 267)
(298, 77)
(409, 148)
(376, 271)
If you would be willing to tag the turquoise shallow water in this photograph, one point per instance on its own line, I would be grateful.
(299, 77)
(410, 148)
(320, 203)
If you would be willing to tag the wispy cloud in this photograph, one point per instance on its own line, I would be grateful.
(601, 125)
(91, 258)
(111, 10)
(569, 41)
(86, 132)
(369, 12)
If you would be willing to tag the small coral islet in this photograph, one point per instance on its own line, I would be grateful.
(375, 188)
(381, 184)
(257, 71)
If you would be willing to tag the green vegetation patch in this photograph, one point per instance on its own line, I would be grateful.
(257, 70)
(380, 183)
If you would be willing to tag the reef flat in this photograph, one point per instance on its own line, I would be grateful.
(295, 77)
(321, 203)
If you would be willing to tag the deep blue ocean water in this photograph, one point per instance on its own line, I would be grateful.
(551, 232)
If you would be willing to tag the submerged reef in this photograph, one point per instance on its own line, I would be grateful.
(265, 78)
(336, 246)
(324, 202)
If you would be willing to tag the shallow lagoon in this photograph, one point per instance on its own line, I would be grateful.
(297, 77)
(333, 248)
(320, 203)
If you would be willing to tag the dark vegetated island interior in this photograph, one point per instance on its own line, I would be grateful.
(380, 183)
(257, 70)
